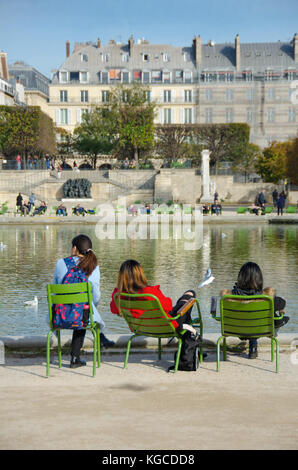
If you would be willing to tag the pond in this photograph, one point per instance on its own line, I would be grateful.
(28, 262)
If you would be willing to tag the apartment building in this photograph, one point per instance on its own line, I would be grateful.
(256, 83)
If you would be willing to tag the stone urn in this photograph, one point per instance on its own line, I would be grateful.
(156, 163)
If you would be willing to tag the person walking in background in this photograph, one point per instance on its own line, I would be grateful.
(281, 203)
(35, 161)
(215, 196)
(31, 201)
(275, 197)
(18, 160)
(29, 161)
(47, 162)
(19, 201)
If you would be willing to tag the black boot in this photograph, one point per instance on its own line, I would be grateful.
(105, 342)
(76, 362)
(253, 352)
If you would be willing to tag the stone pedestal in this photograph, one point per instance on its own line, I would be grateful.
(206, 195)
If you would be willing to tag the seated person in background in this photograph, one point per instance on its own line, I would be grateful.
(61, 210)
(132, 210)
(255, 209)
(79, 210)
(216, 208)
(205, 208)
(250, 282)
(40, 210)
(25, 208)
(147, 209)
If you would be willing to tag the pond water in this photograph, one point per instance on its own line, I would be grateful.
(28, 262)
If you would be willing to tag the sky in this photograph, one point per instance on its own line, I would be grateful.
(35, 31)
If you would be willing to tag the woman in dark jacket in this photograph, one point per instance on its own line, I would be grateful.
(281, 203)
(250, 282)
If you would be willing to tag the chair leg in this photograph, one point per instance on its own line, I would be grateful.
(94, 351)
(59, 348)
(48, 352)
(128, 351)
(98, 346)
(224, 349)
(277, 354)
(272, 350)
(159, 349)
(178, 354)
(218, 352)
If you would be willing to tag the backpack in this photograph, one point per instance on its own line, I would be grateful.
(71, 316)
(189, 356)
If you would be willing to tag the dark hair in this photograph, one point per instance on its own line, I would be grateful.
(131, 277)
(250, 277)
(88, 262)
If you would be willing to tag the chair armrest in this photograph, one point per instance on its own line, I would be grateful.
(187, 305)
(282, 312)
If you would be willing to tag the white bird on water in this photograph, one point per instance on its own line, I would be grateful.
(2, 246)
(33, 302)
(207, 279)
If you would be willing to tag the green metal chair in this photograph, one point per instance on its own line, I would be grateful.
(249, 317)
(291, 210)
(269, 209)
(154, 322)
(72, 294)
(242, 210)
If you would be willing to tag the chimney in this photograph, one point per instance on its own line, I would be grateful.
(197, 49)
(295, 44)
(3, 65)
(237, 52)
(130, 44)
(67, 48)
(98, 43)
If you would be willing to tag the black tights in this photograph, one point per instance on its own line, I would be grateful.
(78, 337)
(186, 318)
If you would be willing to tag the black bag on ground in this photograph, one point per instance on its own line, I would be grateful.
(189, 357)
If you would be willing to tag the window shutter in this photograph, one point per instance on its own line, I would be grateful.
(58, 116)
(69, 116)
(79, 116)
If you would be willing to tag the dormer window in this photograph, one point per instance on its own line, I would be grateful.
(166, 57)
(84, 57)
(146, 57)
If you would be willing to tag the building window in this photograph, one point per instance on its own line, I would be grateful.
(125, 77)
(167, 96)
(84, 96)
(83, 77)
(146, 77)
(166, 77)
(105, 95)
(166, 57)
(84, 57)
(187, 76)
(137, 75)
(146, 57)
(63, 96)
(249, 115)
(229, 115)
(208, 95)
(178, 76)
(125, 57)
(104, 77)
(62, 77)
(156, 76)
(148, 96)
(187, 96)
(106, 57)
(270, 94)
(292, 115)
(208, 115)
(167, 116)
(249, 93)
(270, 115)
(63, 116)
(229, 94)
(187, 116)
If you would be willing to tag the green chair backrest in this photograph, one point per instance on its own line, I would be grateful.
(268, 210)
(242, 210)
(69, 294)
(247, 316)
(153, 322)
(291, 210)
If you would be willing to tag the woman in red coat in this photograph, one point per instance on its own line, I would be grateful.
(132, 280)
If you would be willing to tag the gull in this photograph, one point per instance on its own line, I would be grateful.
(2, 246)
(223, 235)
(31, 302)
(207, 279)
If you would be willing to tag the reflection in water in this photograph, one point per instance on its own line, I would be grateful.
(28, 262)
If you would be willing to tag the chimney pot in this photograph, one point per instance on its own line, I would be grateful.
(67, 48)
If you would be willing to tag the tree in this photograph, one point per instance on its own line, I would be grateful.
(292, 162)
(171, 141)
(25, 130)
(133, 115)
(246, 162)
(96, 134)
(225, 141)
(271, 164)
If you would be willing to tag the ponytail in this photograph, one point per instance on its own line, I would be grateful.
(88, 261)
